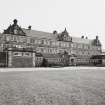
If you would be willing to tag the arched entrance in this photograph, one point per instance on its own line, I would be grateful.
(72, 60)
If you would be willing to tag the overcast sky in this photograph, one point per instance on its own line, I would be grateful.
(86, 17)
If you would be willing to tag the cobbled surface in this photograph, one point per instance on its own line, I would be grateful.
(65, 87)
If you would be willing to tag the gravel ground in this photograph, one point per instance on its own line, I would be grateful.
(65, 87)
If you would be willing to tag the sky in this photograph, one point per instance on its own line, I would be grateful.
(80, 17)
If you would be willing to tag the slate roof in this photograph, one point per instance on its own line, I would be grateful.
(41, 34)
(51, 56)
(81, 40)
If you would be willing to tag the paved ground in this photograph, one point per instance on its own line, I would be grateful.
(68, 86)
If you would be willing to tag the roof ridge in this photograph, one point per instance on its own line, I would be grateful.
(37, 31)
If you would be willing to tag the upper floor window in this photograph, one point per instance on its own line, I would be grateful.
(48, 42)
(17, 54)
(38, 49)
(53, 43)
(86, 46)
(32, 41)
(44, 42)
(67, 44)
(74, 45)
(26, 54)
(57, 43)
(80, 46)
(8, 38)
(28, 40)
(98, 48)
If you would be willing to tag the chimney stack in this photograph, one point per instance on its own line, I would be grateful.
(29, 27)
(82, 37)
(55, 32)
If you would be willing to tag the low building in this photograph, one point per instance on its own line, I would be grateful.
(22, 47)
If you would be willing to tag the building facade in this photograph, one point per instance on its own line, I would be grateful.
(20, 47)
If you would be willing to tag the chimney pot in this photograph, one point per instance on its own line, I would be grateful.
(29, 27)
(82, 37)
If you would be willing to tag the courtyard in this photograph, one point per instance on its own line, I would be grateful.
(52, 86)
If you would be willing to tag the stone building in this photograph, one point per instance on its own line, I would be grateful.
(20, 47)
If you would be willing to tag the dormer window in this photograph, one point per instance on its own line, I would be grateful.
(15, 31)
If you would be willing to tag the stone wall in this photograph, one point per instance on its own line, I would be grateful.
(21, 59)
(22, 62)
(3, 59)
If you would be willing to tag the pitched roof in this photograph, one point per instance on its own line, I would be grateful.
(41, 34)
(47, 56)
(81, 40)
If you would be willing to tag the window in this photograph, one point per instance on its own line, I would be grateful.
(38, 49)
(86, 47)
(28, 40)
(98, 48)
(53, 43)
(67, 44)
(57, 43)
(17, 54)
(50, 51)
(80, 46)
(18, 46)
(74, 45)
(71, 45)
(48, 42)
(27, 54)
(39, 41)
(44, 50)
(8, 38)
(21, 39)
(15, 31)
(44, 42)
(32, 41)
(57, 50)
